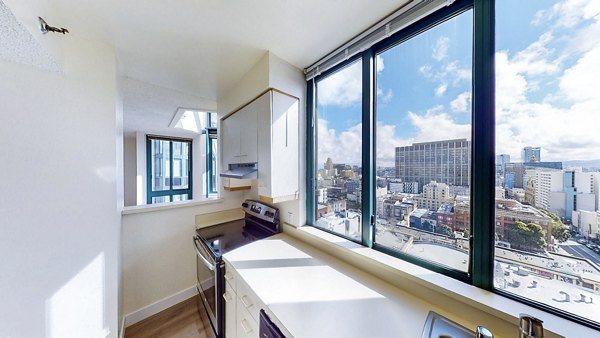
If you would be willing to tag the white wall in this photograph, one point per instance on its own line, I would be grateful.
(158, 256)
(59, 202)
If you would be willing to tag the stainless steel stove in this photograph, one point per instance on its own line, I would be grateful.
(261, 220)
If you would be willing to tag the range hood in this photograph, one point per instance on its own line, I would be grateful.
(241, 171)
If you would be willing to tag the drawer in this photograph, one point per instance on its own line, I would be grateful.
(246, 326)
(230, 276)
(248, 300)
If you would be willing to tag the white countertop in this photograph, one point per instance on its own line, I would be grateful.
(313, 294)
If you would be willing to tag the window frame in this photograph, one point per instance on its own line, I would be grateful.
(210, 171)
(149, 177)
(482, 193)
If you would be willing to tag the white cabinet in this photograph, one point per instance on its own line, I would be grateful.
(249, 132)
(265, 131)
(230, 311)
(278, 148)
(239, 137)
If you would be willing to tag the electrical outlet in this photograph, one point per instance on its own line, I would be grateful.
(290, 218)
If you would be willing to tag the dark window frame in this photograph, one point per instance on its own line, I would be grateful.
(482, 194)
(149, 177)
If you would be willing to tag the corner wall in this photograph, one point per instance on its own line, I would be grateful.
(274, 72)
(59, 203)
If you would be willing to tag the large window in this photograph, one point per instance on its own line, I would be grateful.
(404, 137)
(338, 116)
(547, 151)
(423, 144)
(169, 166)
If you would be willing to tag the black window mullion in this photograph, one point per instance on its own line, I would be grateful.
(368, 160)
(483, 146)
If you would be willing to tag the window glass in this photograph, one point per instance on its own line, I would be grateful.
(547, 151)
(181, 197)
(423, 146)
(161, 169)
(338, 145)
(181, 168)
(160, 199)
(169, 169)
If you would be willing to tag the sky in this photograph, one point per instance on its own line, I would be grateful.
(547, 86)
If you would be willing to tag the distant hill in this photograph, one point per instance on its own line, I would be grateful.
(583, 164)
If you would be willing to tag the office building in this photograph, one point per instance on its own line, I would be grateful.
(530, 154)
(563, 192)
(587, 223)
(445, 161)
(433, 196)
(501, 161)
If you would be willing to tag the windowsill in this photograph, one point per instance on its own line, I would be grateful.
(136, 209)
(397, 272)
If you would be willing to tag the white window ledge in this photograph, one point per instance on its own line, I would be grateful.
(398, 272)
(136, 209)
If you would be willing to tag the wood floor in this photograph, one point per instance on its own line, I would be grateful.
(179, 321)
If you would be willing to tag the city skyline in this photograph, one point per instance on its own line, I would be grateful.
(545, 89)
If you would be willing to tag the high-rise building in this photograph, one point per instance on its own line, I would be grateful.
(531, 154)
(445, 161)
(501, 161)
(563, 192)
(434, 195)
(587, 223)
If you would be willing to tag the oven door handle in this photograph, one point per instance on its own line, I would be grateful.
(201, 256)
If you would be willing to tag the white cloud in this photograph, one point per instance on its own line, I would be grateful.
(462, 103)
(440, 49)
(435, 126)
(566, 122)
(343, 88)
(383, 98)
(566, 14)
(441, 89)
(450, 74)
(380, 64)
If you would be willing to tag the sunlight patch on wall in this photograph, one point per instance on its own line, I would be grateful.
(77, 308)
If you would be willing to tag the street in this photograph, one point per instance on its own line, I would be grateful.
(580, 250)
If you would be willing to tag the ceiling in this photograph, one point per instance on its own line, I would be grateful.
(188, 53)
(203, 47)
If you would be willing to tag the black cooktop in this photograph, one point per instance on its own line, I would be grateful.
(224, 237)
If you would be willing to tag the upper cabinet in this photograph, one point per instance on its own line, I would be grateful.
(266, 131)
(240, 136)
(278, 149)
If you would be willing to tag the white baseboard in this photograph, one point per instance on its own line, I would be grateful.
(156, 307)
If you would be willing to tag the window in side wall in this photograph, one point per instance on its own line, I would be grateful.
(211, 155)
(169, 166)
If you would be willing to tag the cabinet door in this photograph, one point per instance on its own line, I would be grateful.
(230, 312)
(249, 132)
(230, 140)
(246, 326)
(284, 146)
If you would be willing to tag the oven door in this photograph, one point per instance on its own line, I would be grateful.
(207, 278)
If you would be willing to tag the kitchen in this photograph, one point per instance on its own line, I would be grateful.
(92, 250)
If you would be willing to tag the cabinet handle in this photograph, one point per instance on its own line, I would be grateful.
(247, 303)
(228, 276)
(227, 297)
(247, 328)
